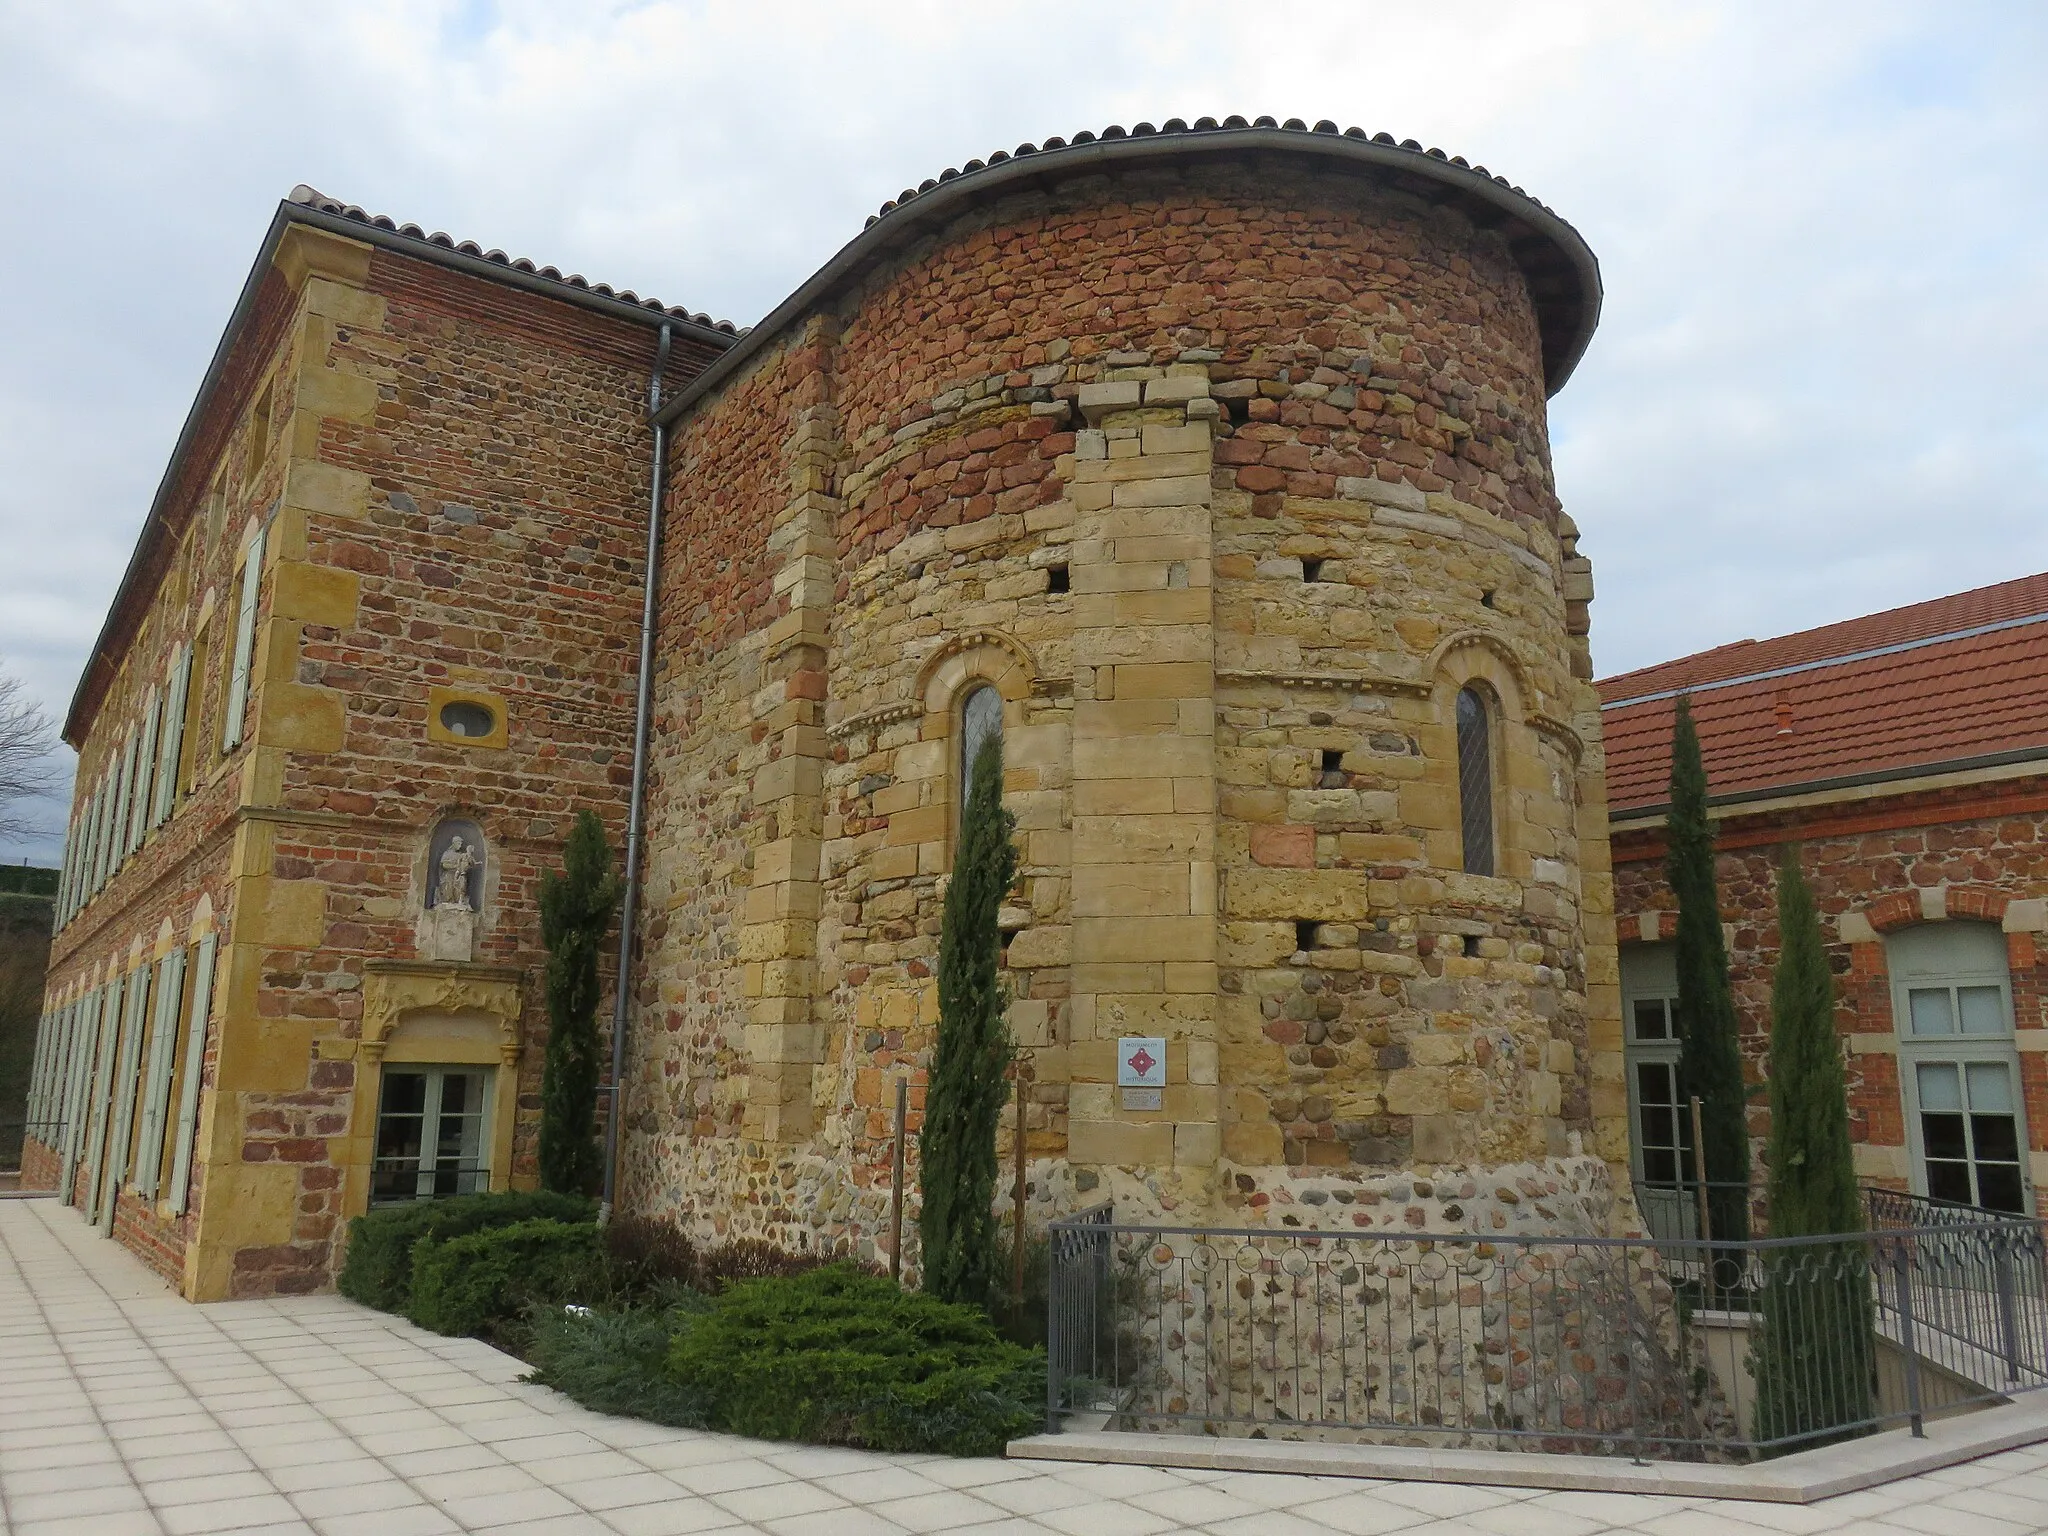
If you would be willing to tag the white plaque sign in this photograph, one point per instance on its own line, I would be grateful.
(1141, 1062)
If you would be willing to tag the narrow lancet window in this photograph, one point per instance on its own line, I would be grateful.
(981, 717)
(1475, 782)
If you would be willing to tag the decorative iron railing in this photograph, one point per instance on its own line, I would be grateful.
(401, 1180)
(1662, 1346)
(1889, 1210)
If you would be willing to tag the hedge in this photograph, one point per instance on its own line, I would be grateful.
(841, 1357)
(615, 1361)
(483, 1282)
(378, 1269)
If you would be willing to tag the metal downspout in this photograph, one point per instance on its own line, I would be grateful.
(636, 806)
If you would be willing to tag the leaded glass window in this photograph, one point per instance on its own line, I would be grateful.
(1475, 781)
(981, 717)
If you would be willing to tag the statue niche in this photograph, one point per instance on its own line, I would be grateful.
(451, 880)
(452, 891)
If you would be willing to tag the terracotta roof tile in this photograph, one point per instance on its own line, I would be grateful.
(1175, 125)
(310, 197)
(1940, 682)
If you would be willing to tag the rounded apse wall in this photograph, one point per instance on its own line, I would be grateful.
(1229, 472)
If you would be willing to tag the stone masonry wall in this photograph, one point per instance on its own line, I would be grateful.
(1078, 447)
(1972, 852)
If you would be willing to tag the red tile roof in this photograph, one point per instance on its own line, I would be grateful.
(1950, 680)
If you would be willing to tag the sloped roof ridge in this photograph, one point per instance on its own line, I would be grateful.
(1959, 615)
(311, 197)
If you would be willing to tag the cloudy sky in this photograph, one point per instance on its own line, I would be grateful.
(1818, 387)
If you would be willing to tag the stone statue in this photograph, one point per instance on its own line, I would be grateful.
(451, 889)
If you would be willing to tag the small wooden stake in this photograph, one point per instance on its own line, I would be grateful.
(1699, 1175)
(896, 1183)
(1017, 1199)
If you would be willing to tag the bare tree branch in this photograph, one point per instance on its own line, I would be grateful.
(26, 773)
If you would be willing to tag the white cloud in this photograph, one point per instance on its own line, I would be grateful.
(1816, 390)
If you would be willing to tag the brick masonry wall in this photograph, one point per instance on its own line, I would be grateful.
(1970, 852)
(187, 596)
(459, 483)
(1161, 392)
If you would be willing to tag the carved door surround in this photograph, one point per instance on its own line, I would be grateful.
(431, 994)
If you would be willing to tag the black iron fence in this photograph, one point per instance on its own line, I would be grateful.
(1663, 1346)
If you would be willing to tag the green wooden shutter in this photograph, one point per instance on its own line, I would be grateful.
(103, 854)
(156, 1082)
(93, 848)
(245, 645)
(145, 769)
(81, 885)
(195, 1063)
(126, 1083)
(56, 1078)
(172, 746)
(60, 1081)
(117, 840)
(38, 1060)
(65, 872)
(82, 1027)
(102, 1091)
(42, 1102)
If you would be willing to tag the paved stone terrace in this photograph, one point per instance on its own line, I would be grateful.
(126, 1410)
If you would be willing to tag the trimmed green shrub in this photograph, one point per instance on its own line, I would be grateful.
(378, 1270)
(841, 1357)
(615, 1360)
(482, 1283)
(964, 1095)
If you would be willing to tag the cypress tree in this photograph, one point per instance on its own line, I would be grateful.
(1710, 1054)
(1816, 1349)
(964, 1091)
(576, 908)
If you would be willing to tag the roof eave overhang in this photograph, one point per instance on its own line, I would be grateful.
(1637, 818)
(290, 213)
(1576, 312)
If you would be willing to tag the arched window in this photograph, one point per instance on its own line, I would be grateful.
(1475, 781)
(981, 717)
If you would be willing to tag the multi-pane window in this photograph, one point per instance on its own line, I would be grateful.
(1663, 1129)
(1969, 1133)
(1660, 1124)
(1475, 782)
(430, 1134)
(1959, 1065)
